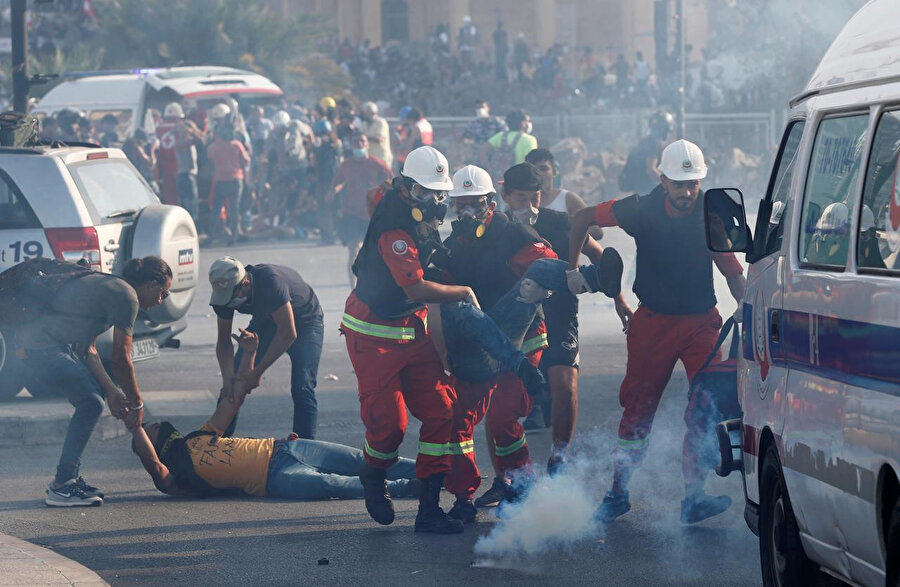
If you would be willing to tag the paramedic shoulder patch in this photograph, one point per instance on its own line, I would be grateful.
(399, 247)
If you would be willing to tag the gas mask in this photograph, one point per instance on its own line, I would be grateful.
(360, 153)
(470, 218)
(527, 216)
(427, 205)
(528, 127)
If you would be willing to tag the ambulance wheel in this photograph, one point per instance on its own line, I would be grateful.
(893, 549)
(781, 554)
(12, 371)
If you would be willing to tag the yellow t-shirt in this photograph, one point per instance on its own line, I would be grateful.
(526, 144)
(226, 463)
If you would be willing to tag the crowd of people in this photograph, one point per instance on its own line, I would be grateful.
(563, 78)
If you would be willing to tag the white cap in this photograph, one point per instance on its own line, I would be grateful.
(220, 110)
(682, 161)
(471, 181)
(224, 275)
(281, 118)
(835, 217)
(173, 110)
(370, 107)
(429, 168)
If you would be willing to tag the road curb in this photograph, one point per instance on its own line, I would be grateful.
(24, 563)
(30, 422)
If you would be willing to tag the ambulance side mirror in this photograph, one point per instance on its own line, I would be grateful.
(726, 221)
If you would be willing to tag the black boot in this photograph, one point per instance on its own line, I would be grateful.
(464, 511)
(378, 502)
(431, 518)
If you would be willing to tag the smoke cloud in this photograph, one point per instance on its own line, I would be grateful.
(558, 513)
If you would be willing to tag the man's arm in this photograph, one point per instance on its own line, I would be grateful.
(115, 399)
(737, 285)
(285, 335)
(431, 292)
(229, 405)
(123, 369)
(160, 474)
(225, 353)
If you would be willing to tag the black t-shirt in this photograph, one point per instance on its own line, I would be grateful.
(271, 287)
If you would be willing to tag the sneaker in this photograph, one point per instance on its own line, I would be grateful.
(613, 506)
(532, 378)
(70, 495)
(88, 489)
(464, 511)
(493, 496)
(556, 465)
(700, 507)
(605, 276)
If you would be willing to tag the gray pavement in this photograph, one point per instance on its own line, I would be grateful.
(141, 536)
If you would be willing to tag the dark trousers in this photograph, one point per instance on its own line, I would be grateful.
(304, 353)
(59, 367)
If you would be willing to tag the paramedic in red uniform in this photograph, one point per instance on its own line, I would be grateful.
(392, 353)
(166, 163)
(490, 253)
(676, 319)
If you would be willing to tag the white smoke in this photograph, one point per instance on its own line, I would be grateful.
(558, 512)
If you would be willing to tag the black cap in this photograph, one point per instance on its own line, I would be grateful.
(523, 176)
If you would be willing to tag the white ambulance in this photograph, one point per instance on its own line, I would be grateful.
(819, 375)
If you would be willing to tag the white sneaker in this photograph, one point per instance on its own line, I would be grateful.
(70, 494)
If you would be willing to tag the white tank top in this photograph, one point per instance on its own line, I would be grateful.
(559, 203)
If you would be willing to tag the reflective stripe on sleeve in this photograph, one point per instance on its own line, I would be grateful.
(379, 330)
(532, 344)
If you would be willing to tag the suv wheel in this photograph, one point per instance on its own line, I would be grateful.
(780, 552)
(12, 371)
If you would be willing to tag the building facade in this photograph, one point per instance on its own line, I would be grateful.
(606, 26)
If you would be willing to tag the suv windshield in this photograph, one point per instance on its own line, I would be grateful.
(112, 189)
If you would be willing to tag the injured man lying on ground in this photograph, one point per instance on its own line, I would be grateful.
(204, 463)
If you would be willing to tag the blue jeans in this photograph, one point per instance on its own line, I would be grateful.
(498, 332)
(305, 353)
(59, 367)
(186, 186)
(313, 469)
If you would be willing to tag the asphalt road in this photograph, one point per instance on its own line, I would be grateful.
(141, 536)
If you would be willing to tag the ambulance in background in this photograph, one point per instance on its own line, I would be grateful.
(819, 374)
(131, 95)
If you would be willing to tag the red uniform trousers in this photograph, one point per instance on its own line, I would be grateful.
(504, 399)
(393, 376)
(655, 343)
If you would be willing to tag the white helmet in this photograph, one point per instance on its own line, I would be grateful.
(173, 110)
(683, 161)
(220, 110)
(369, 108)
(281, 118)
(867, 219)
(471, 181)
(429, 168)
(835, 217)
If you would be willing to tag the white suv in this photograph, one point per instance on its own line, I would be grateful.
(91, 203)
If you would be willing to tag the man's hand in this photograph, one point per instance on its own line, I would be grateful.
(134, 417)
(117, 404)
(624, 312)
(247, 341)
(576, 282)
(738, 314)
